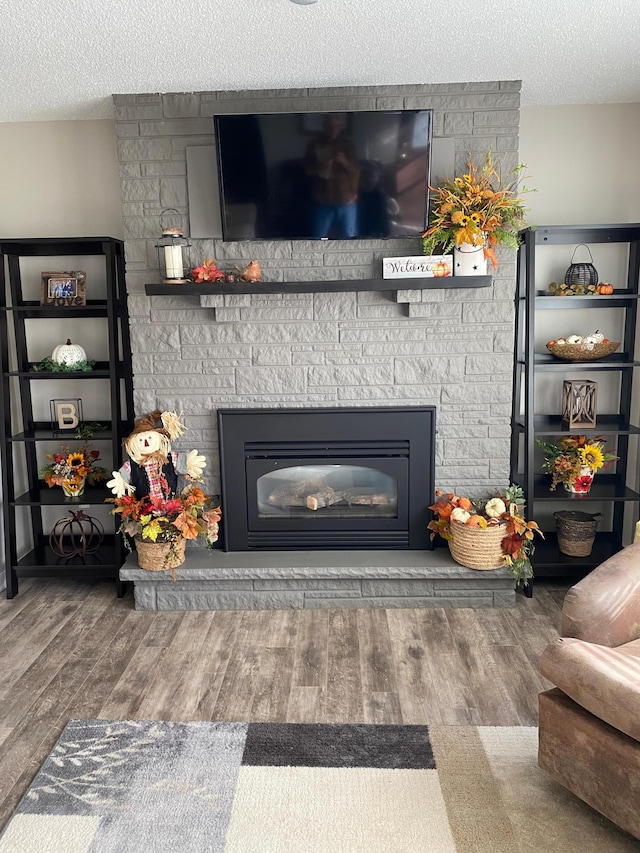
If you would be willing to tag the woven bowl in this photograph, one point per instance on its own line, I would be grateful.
(582, 352)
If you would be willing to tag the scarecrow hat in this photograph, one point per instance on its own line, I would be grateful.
(167, 424)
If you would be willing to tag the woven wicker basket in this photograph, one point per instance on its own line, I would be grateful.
(581, 273)
(156, 556)
(576, 532)
(476, 548)
(579, 352)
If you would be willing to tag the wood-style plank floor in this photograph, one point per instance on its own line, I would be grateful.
(75, 651)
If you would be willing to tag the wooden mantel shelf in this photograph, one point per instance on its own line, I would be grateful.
(341, 286)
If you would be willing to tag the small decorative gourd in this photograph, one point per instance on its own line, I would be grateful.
(251, 272)
(68, 353)
(441, 269)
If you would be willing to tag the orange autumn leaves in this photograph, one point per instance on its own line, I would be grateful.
(207, 271)
(187, 515)
(194, 520)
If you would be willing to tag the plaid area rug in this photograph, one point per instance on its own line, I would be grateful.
(134, 786)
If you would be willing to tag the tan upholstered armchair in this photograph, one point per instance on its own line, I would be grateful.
(589, 736)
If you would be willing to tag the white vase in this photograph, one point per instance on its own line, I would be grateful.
(469, 260)
(582, 484)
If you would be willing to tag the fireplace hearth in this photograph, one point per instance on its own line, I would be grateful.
(320, 479)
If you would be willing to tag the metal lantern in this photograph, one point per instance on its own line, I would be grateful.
(581, 273)
(579, 403)
(76, 535)
(173, 249)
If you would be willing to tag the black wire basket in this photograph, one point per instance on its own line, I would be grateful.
(581, 273)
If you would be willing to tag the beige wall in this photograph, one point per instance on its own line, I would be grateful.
(583, 161)
(59, 179)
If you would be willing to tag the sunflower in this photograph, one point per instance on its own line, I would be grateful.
(75, 460)
(592, 456)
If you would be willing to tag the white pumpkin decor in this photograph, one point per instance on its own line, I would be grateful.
(68, 354)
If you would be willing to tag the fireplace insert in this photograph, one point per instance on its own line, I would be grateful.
(326, 478)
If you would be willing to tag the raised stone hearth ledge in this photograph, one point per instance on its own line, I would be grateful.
(283, 580)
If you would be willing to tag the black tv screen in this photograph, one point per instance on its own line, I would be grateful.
(333, 176)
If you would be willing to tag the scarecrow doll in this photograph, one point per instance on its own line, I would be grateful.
(151, 460)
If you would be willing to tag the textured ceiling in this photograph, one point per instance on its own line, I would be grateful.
(64, 58)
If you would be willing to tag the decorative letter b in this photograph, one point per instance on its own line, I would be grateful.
(67, 415)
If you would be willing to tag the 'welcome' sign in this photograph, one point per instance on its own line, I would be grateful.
(419, 266)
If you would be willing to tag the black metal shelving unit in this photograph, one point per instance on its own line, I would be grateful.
(618, 489)
(21, 434)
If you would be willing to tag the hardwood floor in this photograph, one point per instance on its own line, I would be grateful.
(74, 651)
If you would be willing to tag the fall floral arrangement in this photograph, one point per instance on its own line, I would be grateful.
(567, 460)
(187, 515)
(476, 208)
(72, 467)
(504, 511)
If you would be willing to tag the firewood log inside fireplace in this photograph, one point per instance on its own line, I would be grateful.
(325, 497)
(365, 497)
(316, 494)
(295, 493)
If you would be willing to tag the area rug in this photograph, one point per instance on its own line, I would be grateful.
(129, 787)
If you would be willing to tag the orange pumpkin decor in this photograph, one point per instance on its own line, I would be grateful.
(604, 288)
(441, 269)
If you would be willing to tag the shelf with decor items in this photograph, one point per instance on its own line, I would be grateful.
(539, 377)
(29, 505)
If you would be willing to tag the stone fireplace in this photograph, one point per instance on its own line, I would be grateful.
(452, 349)
(447, 348)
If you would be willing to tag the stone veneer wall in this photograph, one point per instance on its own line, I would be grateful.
(450, 348)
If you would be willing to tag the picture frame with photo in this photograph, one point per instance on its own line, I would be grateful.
(63, 289)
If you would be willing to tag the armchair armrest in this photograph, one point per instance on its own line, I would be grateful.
(604, 607)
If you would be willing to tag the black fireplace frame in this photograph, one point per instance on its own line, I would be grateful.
(404, 435)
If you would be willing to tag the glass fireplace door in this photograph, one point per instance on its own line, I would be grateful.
(321, 491)
(313, 494)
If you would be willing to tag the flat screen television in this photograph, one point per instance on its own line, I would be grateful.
(324, 176)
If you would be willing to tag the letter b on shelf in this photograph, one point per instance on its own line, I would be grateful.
(66, 414)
